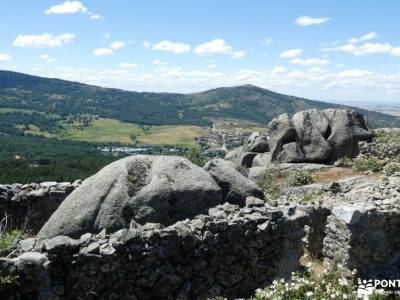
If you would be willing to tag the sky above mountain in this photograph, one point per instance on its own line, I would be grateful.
(327, 50)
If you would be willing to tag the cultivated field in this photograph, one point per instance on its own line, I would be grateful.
(114, 131)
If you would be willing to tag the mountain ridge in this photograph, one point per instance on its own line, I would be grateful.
(245, 102)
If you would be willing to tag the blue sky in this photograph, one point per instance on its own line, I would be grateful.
(328, 50)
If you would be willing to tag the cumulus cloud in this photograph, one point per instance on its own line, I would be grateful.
(291, 53)
(366, 48)
(277, 70)
(212, 66)
(158, 62)
(103, 52)
(5, 57)
(308, 21)
(396, 51)
(48, 58)
(168, 46)
(45, 40)
(219, 46)
(268, 41)
(68, 7)
(128, 66)
(363, 38)
(310, 62)
(117, 45)
(93, 16)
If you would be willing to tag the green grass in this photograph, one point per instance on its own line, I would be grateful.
(4, 110)
(7, 237)
(114, 131)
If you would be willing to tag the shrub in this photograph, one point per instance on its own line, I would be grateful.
(196, 157)
(386, 136)
(7, 237)
(266, 181)
(299, 178)
(345, 162)
(391, 168)
(367, 164)
(8, 280)
(310, 196)
(303, 286)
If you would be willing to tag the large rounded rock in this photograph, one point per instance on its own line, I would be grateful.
(235, 187)
(160, 189)
(314, 136)
(347, 129)
(312, 129)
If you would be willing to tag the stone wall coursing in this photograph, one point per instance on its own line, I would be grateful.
(230, 252)
(364, 238)
(29, 206)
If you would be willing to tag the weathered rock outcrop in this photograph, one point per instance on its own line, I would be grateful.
(257, 143)
(317, 136)
(161, 189)
(235, 187)
(29, 206)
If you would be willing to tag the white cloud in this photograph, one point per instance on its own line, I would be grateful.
(146, 45)
(239, 54)
(95, 17)
(363, 38)
(168, 46)
(310, 62)
(291, 53)
(68, 7)
(117, 45)
(103, 52)
(268, 41)
(367, 48)
(354, 73)
(158, 62)
(128, 66)
(396, 51)
(277, 70)
(5, 57)
(212, 66)
(218, 46)
(45, 40)
(48, 58)
(307, 21)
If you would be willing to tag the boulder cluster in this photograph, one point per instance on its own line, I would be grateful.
(310, 136)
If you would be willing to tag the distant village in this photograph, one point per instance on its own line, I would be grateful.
(222, 137)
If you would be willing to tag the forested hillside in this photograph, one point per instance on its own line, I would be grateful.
(243, 102)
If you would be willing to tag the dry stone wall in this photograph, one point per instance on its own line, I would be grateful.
(230, 251)
(29, 206)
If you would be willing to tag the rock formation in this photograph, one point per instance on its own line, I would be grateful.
(161, 189)
(317, 136)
